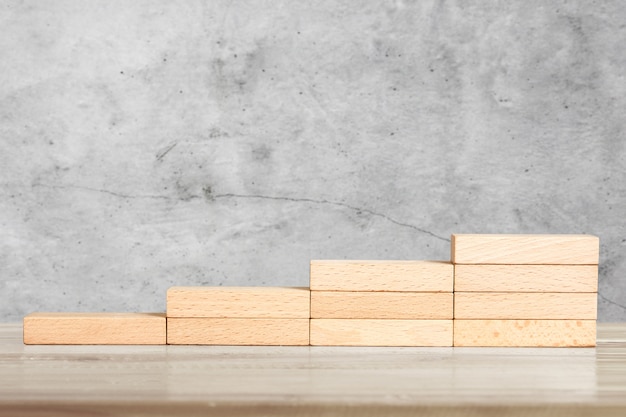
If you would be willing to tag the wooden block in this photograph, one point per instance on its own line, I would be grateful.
(381, 305)
(238, 302)
(414, 276)
(512, 305)
(526, 278)
(94, 329)
(366, 332)
(525, 333)
(228, 331)
(525, 249)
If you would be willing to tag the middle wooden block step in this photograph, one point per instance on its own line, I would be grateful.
(375, 275)
(238, 316)
(381, 303)
(507, 305)
(239, 302)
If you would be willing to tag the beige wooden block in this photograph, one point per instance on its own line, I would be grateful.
(368, 332)
(525, 333)
(238, 302)
(526, 278)
(381, 305)
(95, 329)
(525, 249)
(511, 305)
(355, 275)
(229, 331)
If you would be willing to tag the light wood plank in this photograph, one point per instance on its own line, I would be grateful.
(229, 331)
(525, 249)
(366, 332)
(525, 333)
(508, 305)
(238, 302)
(372, 275)
(381, 305)
(94, 329)
(526, 278)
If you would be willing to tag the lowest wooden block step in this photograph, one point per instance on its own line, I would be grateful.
(95, 329)
(381, 305)
(371, 332)
(525, 249)
(526, 278)
(490, 305)
(368, 275)
(229, 331)
(524, 333)
(239, 302)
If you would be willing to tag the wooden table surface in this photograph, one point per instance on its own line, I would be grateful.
(301, 381)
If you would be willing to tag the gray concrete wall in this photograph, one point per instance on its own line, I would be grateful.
(146, 144)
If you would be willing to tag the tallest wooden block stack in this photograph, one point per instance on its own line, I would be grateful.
(525, 290)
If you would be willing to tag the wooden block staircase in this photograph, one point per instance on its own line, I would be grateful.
(496, 290)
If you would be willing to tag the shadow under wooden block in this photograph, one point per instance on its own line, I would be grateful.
(525, 333)
(509, 305)
(371, 275)
(526, 278)
(525, 249)
(381, 305)
(95, 329)
(369, 332)
(238, 302)
(233, 331)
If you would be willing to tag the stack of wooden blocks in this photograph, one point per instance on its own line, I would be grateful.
(381, 303)
(525, 290)
(238, 316)
(498, 290)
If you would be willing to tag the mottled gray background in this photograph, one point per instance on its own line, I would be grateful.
(146, 144)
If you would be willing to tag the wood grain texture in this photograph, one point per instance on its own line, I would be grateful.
(287, 409)
(238, 302)
(508, 305)
(525, 333)
(371, 275)
(525, 249)
(95, 329)
(526, 278)
(381, 305)
(367, 332)
(229, 331)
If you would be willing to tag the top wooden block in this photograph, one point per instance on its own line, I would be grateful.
(239, 302)
(353, 275)
(525, 249)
